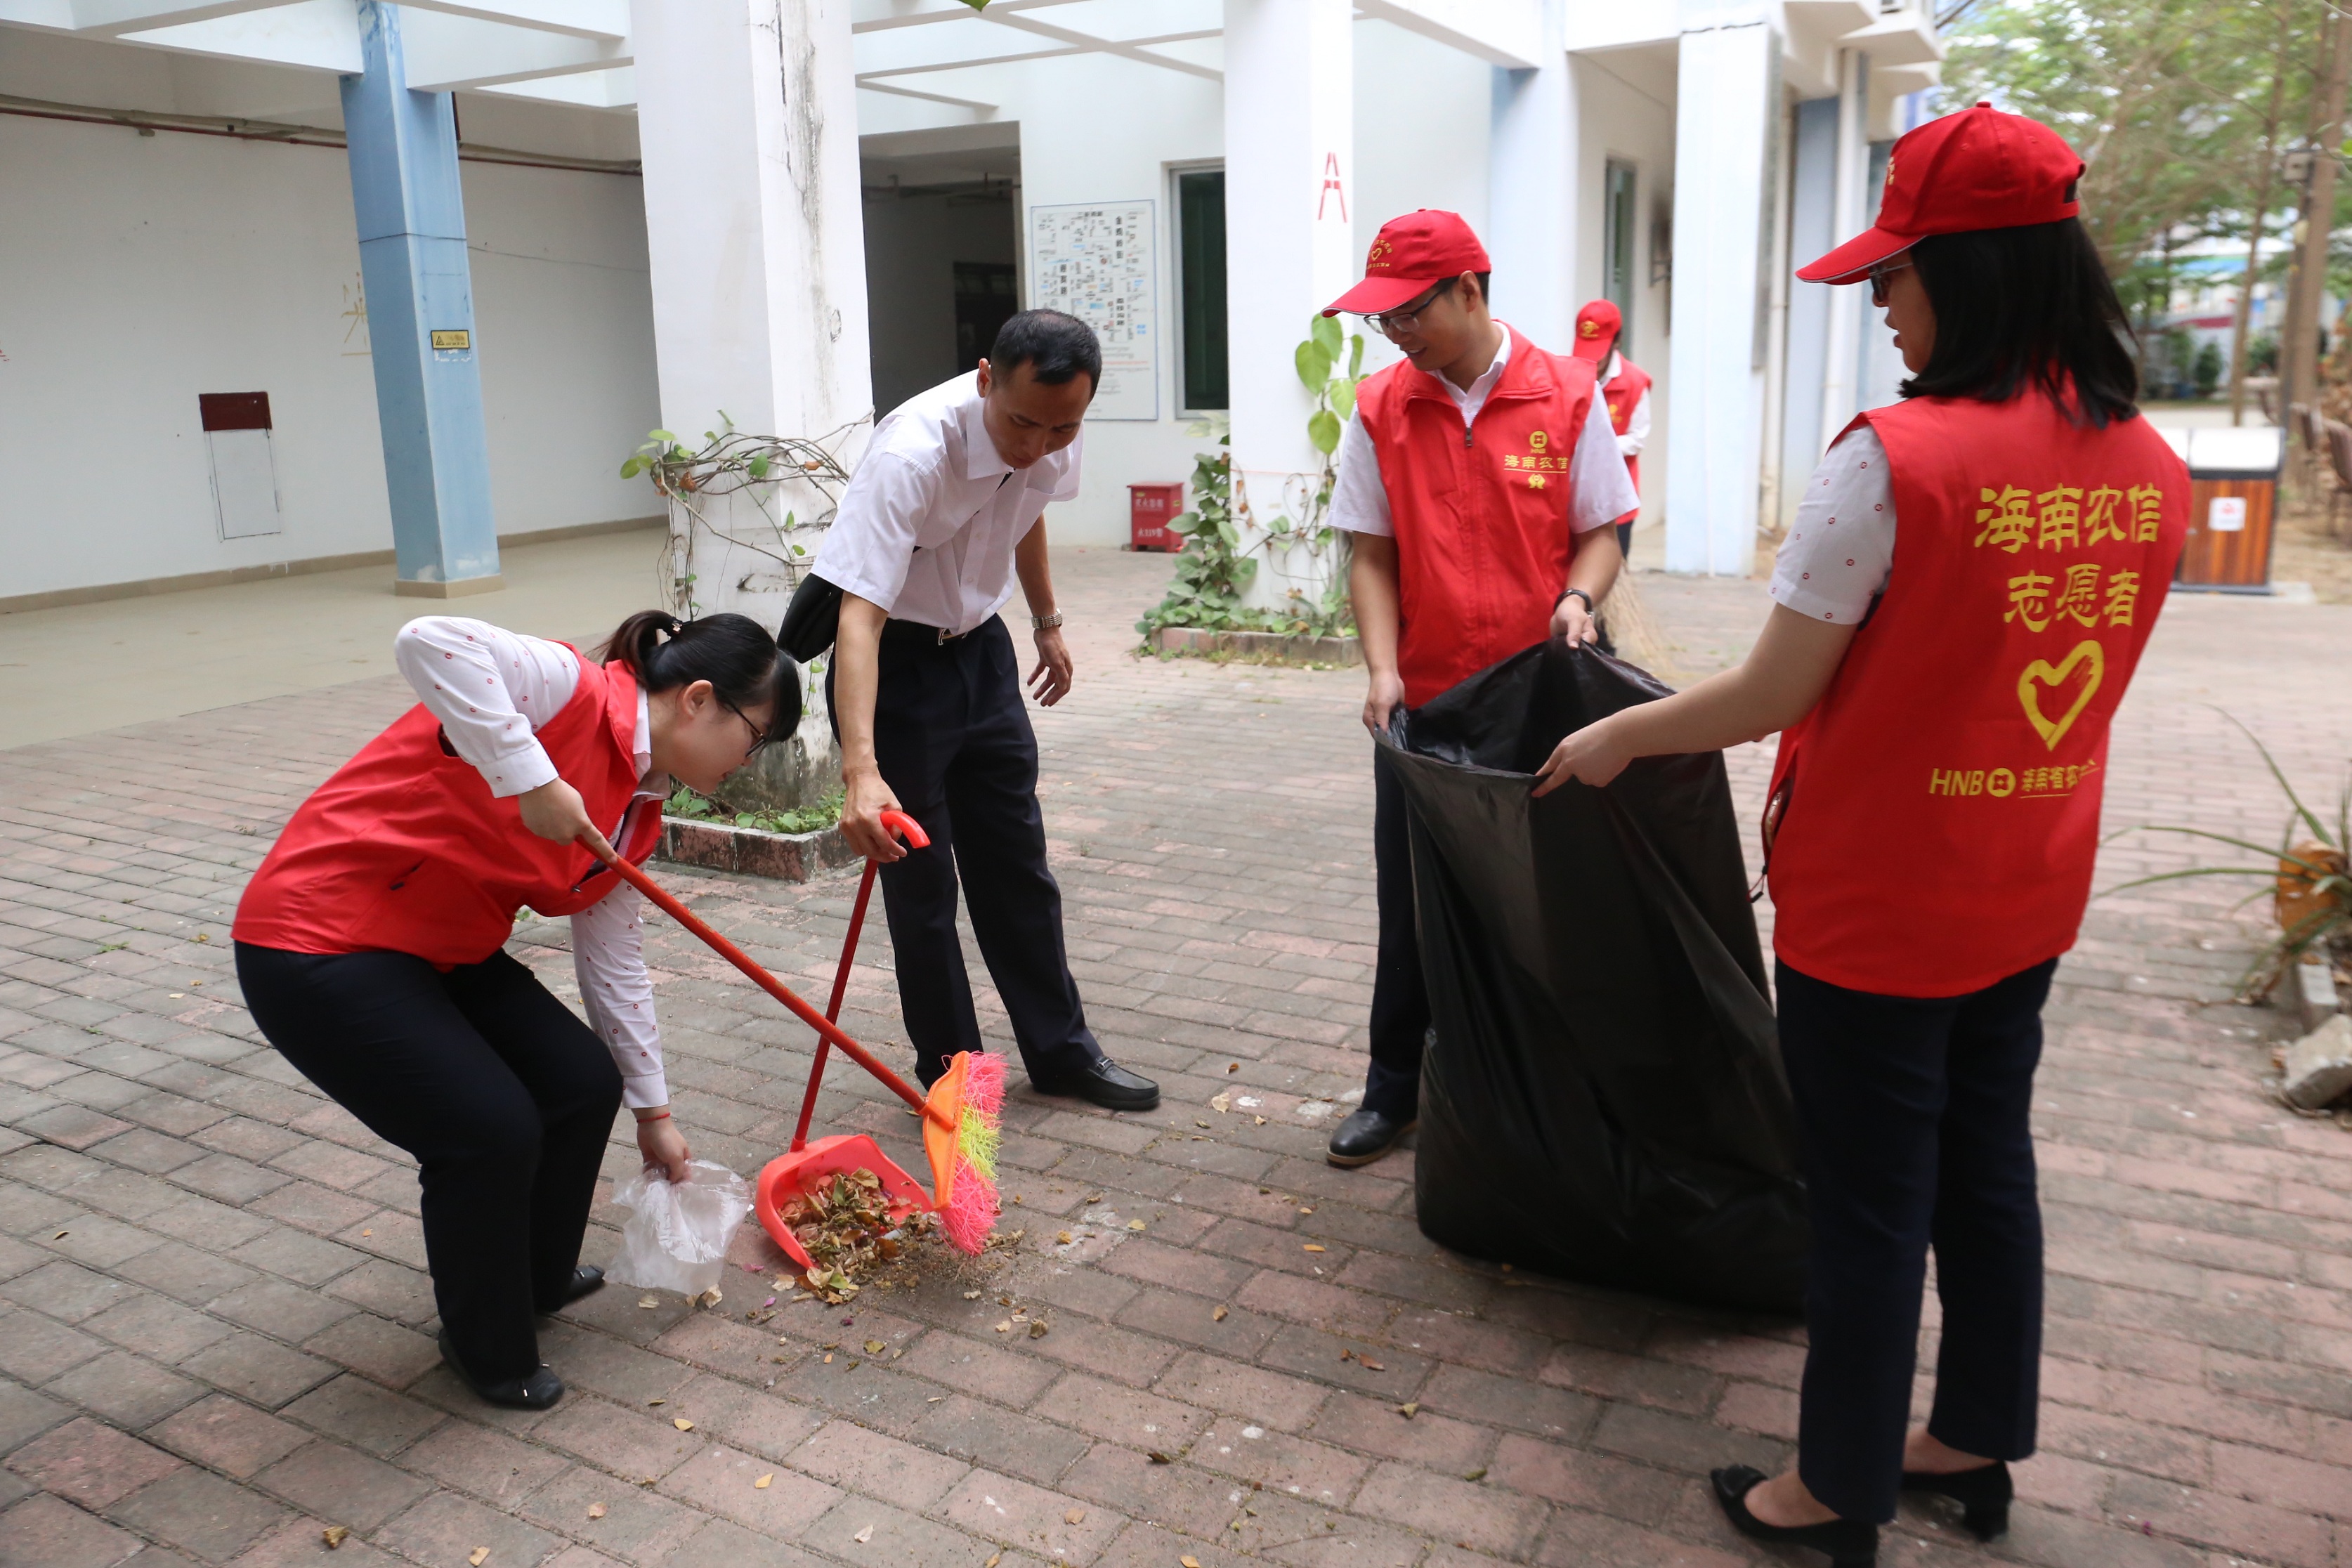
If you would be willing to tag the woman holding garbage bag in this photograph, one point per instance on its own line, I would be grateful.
(1960, 605)
(369, 945)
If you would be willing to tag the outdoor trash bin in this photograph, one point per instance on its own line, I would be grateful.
(1603, 1099)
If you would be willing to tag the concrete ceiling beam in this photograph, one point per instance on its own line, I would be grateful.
(447, 52)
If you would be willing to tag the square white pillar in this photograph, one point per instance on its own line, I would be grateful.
(1727, 125)
(1290, 196)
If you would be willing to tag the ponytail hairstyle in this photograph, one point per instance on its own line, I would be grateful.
(741, 661)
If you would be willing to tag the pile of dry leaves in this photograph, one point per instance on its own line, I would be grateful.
(847, 1229)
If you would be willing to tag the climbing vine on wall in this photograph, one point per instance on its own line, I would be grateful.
(1226, 539)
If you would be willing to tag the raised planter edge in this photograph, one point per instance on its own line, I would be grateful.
(751, 852)
(1274, 647)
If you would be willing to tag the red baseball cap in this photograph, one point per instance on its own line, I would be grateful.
(1978, 169)
(1411, 255)
(1597, 326)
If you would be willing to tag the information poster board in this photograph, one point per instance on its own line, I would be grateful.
(1095, 261)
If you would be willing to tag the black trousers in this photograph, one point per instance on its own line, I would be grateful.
(503, 1095)
(1400, 998)
(1912, 1117)
(952, 739)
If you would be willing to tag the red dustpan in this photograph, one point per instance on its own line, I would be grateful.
(960, 1114)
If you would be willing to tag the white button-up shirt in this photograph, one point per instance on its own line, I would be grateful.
(1598, 490)
(492, 688)
(928, 526)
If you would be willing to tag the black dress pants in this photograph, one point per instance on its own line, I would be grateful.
(1913, 1119)
(951, 737)
(503, 1095)
(1399, 997)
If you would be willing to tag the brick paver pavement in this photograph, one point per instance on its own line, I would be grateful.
(216, 1337)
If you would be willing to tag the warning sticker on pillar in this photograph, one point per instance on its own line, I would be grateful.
(452, 338)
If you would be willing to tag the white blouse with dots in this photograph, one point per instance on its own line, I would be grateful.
(491, 688)
(1835, 559)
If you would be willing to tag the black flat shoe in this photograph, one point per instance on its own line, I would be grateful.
(1984, 1495)
(539, 1390)
(1850, 1543)
(1106, 1084)
(1364, 1137)
(586, 1281)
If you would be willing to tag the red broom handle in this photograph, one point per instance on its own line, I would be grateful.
(907, 827)
(825, 1026)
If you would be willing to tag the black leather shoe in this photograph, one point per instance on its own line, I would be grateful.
(1106, 1084)
(1850, 1542)
(586, 1281)
(1984, 1495)
(538, 1390)
(1365, 1136)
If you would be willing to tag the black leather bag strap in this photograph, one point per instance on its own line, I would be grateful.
(810, 620)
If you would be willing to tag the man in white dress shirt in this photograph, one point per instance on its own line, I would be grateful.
(944, 511)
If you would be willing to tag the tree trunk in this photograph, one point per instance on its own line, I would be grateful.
(2269, 173)
(2299, 355)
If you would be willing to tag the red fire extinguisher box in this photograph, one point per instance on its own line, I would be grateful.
(1148, 509)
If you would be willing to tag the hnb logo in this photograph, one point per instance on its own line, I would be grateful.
(1997, 782)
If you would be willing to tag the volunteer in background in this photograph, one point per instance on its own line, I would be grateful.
(1476, 479)
(946, 509)
(1943, 685)
(371, 945)
(1625, 388)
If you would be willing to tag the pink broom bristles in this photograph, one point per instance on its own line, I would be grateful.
(970, 1213)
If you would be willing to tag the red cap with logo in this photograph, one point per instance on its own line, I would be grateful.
(1978, 169)
(1411, 255)
(1597, 326)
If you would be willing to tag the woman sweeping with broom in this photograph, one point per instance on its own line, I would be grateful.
(1961, 604)
(370, 945)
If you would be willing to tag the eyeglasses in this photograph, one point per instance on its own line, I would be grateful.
(760, 738)
(1390, 324)
(1878, 277)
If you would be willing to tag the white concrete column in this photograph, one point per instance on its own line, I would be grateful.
(1726, 113)
(747, 118)
(1842, 358)
(1290, 198)
(1533, 157)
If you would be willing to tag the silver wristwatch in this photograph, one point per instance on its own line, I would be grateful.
(1041, 623)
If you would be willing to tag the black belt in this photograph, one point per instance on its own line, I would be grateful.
(915, 634)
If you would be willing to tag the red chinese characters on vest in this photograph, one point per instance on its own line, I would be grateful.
(1480, 514)
(1937, 812)
(1624, 393)
(405, 850)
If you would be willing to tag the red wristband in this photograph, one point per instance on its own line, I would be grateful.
(649, 1121)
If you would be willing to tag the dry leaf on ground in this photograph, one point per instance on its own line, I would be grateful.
(334, 1535)
(1218, 1316)
(595, 1511)
(681, 1423)
(477, 1555)
(862, 1536)
(1075, 1515)
(761, 1484)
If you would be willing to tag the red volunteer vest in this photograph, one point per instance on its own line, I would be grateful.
(1480, 514)
(1939, 810)
(1623, 394)
(405, 850)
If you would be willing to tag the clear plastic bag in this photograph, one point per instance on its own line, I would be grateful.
(677, 1234)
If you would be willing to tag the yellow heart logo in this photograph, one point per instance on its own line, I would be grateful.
(2038, 674)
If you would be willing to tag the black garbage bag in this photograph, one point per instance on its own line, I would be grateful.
(1603, 1100)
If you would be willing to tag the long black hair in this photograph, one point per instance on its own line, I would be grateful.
(741, 661)
(2031, 306)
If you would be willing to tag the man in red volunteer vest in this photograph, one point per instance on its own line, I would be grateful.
(1943, 686)
(1624, 387)
(1477, 480)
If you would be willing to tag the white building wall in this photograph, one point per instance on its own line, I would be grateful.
(142, 270)
(1621, 118)
(1097, 129)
